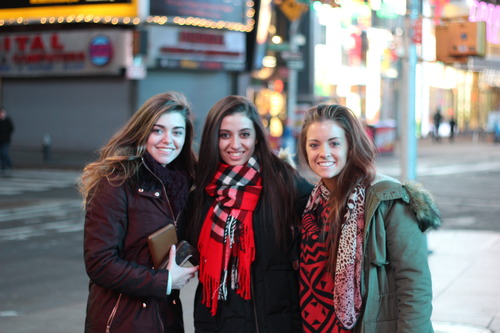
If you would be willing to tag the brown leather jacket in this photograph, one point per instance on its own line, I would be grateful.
(125, 293)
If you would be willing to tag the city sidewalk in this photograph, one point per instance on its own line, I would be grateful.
(464, 263)
(466, 281)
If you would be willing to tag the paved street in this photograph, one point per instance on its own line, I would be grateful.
(42, 277)
(30, 180)
(43, 286)
(464, 178)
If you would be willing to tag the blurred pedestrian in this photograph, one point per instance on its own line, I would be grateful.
(6, 130)
(437, 122)
(139, 184)
(496, 131)
(363, 263)
(453, 124)
(247, 204)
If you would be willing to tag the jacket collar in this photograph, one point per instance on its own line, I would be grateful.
(385, 188)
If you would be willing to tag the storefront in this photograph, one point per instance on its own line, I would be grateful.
(77, 72)
(463, 81)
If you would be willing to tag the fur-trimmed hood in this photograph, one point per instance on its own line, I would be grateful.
(422, 203)
(411, 192)
(285, 155)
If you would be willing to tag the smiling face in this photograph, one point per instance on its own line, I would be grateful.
(237, 139)
(167, 138)
(326, 149)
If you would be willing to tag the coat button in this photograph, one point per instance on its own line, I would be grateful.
(144, 305)
(157, 194)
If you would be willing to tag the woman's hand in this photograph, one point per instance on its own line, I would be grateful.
(180, 275)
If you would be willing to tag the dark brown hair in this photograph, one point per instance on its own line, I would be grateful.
(277, 175)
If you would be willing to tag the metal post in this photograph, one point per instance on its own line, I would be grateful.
(408, 128)
(289, 139)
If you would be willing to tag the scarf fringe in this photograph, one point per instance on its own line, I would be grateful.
(210, 293)
(244, 279)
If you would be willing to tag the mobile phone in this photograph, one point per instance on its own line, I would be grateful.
(186, 252)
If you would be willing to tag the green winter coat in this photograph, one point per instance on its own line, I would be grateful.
(396, 282)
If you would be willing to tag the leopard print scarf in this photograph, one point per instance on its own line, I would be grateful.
(347, 300)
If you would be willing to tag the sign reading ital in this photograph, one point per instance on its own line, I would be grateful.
(86, 52)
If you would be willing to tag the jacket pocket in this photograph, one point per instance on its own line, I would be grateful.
(382, 310)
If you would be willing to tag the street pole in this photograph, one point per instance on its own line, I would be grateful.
(408, 132)
(292, 92)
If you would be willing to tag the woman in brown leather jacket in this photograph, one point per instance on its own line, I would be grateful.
(138, 185)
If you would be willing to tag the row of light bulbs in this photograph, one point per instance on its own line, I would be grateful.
(161, 20)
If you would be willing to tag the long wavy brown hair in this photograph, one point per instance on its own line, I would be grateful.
(360, 166)
(278, 193)
(120, 158)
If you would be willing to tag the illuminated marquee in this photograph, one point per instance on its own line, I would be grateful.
(236, 15)
(22, 12)
(36, 3)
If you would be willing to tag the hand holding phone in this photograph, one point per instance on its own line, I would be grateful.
(186, 252)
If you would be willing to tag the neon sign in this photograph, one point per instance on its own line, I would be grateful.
(481, 11)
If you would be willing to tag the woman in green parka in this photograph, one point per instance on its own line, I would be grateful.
(363, 262)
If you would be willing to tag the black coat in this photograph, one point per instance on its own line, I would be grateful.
(274, 306)
(6, 130)
(117, 223)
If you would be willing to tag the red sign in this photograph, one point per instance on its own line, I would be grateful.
(417, 31)
(438, 9)
(76, 52)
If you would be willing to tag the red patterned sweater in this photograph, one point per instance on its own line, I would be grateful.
(316, 284)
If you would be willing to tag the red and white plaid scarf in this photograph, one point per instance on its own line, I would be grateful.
(226, 241)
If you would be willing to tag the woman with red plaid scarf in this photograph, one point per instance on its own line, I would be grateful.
(245, 208)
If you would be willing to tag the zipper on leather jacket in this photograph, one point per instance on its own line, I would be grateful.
(159, 317)
(164, 192)
(112, 315)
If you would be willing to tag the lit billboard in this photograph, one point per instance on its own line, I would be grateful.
(214, 10)
(37, 3)
(36, 9)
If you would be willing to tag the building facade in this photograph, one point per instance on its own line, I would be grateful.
(76, 72)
